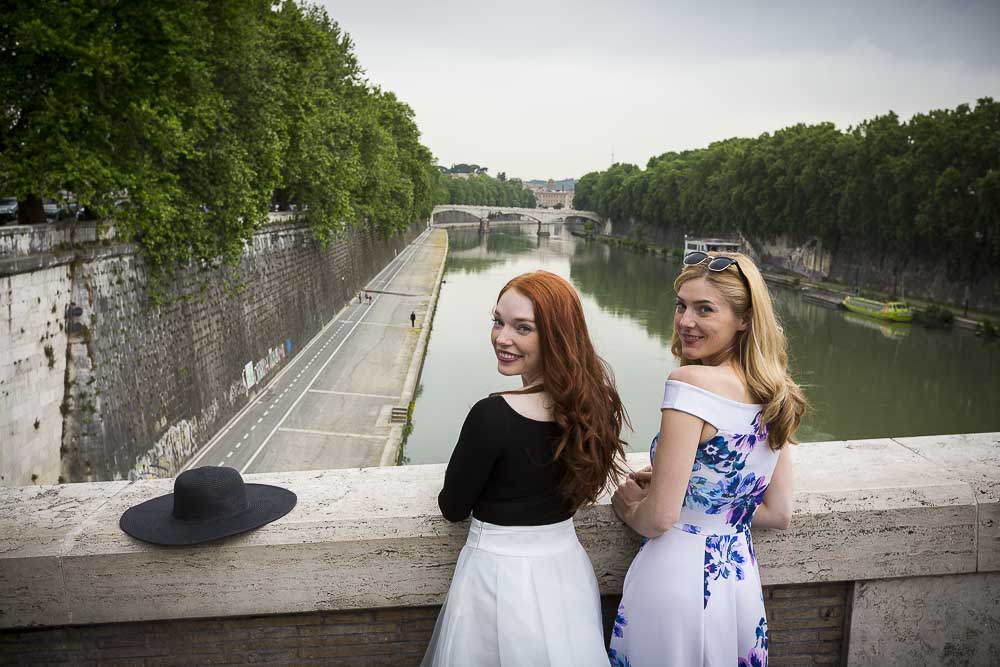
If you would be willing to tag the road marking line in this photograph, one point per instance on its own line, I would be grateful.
(353, 393)
(229, 455)
(246, 435)
(389, 324)
(252, 427)
(333, 433)
(260, 419)
(266, 411)
(222, 463)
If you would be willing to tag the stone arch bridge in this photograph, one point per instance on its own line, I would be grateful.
(484, 216)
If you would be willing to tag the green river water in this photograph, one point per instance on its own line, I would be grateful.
(864, 379)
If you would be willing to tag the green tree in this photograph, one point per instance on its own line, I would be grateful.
(201, 113)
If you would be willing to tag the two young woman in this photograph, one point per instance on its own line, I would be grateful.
(524, 591)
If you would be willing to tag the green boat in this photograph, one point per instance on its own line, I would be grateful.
(893, 311)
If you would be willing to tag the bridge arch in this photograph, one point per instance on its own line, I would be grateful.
(456, 214)
(474, 213)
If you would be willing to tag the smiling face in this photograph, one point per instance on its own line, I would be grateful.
(515, 337)
(705, 323)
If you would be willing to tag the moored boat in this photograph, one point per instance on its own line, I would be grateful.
(692, 244)
(893, 311)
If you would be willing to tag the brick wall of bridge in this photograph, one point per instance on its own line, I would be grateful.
(806, 623)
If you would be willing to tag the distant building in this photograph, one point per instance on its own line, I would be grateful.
(549, 198)
(464, 176)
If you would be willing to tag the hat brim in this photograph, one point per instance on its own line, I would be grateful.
(153, 520)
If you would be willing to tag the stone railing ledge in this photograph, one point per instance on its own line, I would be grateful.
(372, 537)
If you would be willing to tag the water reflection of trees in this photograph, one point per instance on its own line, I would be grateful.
(627, 285)
(471, 251)
(471, 265)
(863, 383)
(511, 239)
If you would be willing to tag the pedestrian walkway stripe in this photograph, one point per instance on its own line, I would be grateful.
(333, 433)
(390, 325)
(354, 393)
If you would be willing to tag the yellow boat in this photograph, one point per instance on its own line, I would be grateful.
(893, 311)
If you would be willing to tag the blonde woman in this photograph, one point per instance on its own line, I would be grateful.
(692, 595)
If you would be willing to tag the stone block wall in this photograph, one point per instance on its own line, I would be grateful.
(32, 371)
(921, 277)
(806, 625)
(368, 638)
(142, 385)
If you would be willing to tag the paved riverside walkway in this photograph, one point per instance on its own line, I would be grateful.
(331, 406)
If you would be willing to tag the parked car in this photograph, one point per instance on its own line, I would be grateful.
(52, 210)
(8, 210)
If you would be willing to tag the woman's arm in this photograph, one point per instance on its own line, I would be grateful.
(776, 509)
(469, 467)
(661, 507)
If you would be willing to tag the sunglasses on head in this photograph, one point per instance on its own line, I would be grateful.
(719, 263)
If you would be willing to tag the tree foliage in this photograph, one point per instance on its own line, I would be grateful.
(483, 190)
(463, 168)
(926, 187)
(201, 114)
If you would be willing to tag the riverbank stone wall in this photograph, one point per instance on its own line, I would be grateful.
(129, 388)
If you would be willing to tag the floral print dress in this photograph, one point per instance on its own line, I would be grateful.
(692, 596)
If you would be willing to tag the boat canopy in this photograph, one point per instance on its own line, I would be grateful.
(710, 245)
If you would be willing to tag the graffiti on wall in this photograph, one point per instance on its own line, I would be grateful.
(254, 372)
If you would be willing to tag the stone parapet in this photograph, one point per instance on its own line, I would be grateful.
(373, 538)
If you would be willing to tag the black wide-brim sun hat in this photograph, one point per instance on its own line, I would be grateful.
(207, 504)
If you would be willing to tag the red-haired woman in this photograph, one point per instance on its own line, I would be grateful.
(524, 590)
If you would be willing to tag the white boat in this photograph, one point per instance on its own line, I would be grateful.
(692, 244)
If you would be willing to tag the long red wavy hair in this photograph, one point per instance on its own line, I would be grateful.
(581, 386)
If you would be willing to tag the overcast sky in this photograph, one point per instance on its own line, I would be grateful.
(548, 89)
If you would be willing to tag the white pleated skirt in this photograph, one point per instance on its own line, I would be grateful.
(522, 596)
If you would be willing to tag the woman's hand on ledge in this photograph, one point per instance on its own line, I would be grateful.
(626, 500)
(642, 477)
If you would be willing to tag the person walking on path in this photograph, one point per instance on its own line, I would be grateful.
(413, 318)
(692, 595)
(524, 590)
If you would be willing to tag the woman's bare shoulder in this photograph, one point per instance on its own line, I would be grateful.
(720, 381)
(703, 377)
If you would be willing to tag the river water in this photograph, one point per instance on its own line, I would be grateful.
(864, 379)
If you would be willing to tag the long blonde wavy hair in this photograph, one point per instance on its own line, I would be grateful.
(761, 350)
